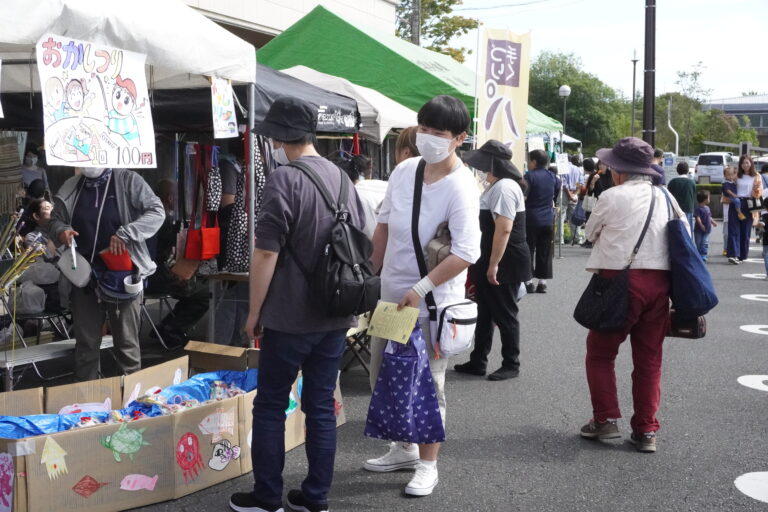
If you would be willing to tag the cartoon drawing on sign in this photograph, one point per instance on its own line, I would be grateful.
(136, 482)
(502, 69)
(188, 456)
(6, 482)
(223, 453)
(93, 104)
(218, 423)
(53, 458)
(125, 441)
(106, 406)
(87, 486)
(224, 120)
(121, 118)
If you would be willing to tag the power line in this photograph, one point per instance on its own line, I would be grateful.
(520, 4)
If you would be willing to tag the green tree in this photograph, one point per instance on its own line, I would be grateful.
(438, 25)
(596, 113)
(715, 125)
(690, 86)
(686, 115)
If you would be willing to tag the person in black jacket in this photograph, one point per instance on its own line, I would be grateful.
(504, 264)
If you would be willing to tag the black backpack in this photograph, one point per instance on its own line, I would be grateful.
(343, 282)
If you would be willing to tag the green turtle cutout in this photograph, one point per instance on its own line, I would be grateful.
(125, 441)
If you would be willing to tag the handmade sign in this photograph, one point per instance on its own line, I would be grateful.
(53, 458)
(137, 482)
(223, 454)
(224, 119)
(87, 486)
(95, 104)
(218, 423)
(126, 441)
(6, 482)
(188, 456)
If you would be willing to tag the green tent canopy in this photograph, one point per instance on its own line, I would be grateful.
(406, 73)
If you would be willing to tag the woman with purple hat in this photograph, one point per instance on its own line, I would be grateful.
(614, 227)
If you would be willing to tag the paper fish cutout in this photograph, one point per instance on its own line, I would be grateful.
(53, 458)
(87, 486)
(106, 406)
(6, 482)
(136, 482)
(134, 394)
(177, 376)
(223, 453)
(218, 423)
(188, 456)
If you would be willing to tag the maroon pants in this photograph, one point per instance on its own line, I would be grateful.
(647, 324)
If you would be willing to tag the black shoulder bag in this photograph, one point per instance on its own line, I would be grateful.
(343, 282)
(604, 304)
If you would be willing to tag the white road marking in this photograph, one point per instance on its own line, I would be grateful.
(753, 276)
(754, 485)
(755, 329)
(760, 297)
(757, 382)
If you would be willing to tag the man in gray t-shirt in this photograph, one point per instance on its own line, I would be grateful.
(297, 332)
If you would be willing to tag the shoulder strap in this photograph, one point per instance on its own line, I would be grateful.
(645, 228)
(422, 263)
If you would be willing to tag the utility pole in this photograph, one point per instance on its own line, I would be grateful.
(634, 90)
(649, 91)
(416, 22)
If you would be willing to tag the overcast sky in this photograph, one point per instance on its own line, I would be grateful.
(729, 36)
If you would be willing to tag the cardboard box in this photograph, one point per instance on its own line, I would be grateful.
(80, 396)
(161, 375)
(21, 403)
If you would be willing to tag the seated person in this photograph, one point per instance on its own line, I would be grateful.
(192, 296)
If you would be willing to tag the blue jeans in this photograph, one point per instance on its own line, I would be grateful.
(702, 244)
(318, 355)
(765, 258)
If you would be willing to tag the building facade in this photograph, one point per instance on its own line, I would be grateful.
(258, 21)
(754, 108)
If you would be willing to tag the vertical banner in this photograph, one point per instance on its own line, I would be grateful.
(223, 106)
(503, 90)
(95, 105)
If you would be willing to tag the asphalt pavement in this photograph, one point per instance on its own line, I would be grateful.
(514, 445)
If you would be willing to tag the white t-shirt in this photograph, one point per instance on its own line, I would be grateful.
(371, 194)
(504, 198)
(744, 186)
(455, 199)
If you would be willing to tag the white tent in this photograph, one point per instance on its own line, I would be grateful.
(181, 45)
(379, 113)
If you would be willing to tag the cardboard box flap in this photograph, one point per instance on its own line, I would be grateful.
(85, 396)
(208, 357)
(252, 355)
(162, 375)
(21, 403)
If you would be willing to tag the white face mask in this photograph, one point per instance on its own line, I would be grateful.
(433, 149)
(30, 161)
(92, 172)
(279, 156)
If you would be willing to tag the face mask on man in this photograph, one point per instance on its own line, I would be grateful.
(433, 149)
(92, 172)
(30, 160)
(279, 156)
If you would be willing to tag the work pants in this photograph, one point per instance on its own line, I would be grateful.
(540, 244)
(496, 305)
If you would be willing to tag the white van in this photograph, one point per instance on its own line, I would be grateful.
(712, 166)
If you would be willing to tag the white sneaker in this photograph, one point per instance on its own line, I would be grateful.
(733, 261)
(423, 481)
(397, 458)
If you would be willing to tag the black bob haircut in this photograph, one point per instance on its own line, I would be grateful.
(444, 113)
(589, 165)
(540, 157)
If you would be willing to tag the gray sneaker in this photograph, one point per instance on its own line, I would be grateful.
(600, 430)
(644, 442)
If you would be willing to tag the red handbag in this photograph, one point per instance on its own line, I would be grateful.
(204, 243)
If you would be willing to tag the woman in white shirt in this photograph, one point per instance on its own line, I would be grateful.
(748, 185)
(449, 193)
(614, 227)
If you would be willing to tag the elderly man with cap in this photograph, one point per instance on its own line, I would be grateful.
(615, 227)
(294, 224)
(504, 262)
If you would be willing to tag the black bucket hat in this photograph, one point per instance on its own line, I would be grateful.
(288, 119)
(493, 157)
(630, 156)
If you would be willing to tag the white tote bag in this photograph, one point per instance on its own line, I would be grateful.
(454, 330)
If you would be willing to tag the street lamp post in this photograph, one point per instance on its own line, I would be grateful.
(564, 92)
(634, 93)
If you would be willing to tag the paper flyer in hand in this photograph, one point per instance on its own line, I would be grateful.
(390, 324)
(224, 119)
(95, 105)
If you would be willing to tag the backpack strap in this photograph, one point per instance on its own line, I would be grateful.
(420, 260)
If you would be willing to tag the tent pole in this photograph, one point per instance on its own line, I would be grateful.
(252, 166)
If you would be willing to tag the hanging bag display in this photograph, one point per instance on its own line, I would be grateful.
(452, 325)
(404, 403)
(203, 243)
(213, 189)
(604, 305)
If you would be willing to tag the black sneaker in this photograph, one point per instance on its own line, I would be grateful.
(644, 442)
(541, 288)
(529, 288)
(247, 502)
(504, 374)
(297, 501)
(469, 369)
(600, 430)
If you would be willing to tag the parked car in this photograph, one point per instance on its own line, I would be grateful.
(712, 165)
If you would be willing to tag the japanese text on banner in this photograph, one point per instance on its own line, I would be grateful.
(95, 105)
(503, 96)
